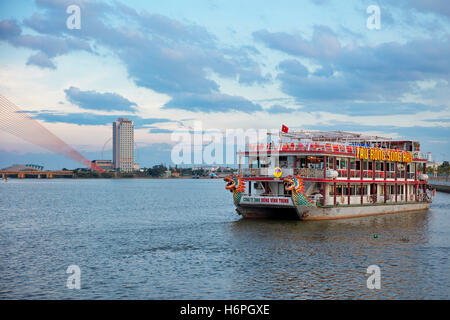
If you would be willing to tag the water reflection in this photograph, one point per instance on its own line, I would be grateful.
(328, 259)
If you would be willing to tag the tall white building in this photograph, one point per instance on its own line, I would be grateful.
(123, 145)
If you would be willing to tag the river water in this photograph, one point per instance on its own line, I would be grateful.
(181, 239)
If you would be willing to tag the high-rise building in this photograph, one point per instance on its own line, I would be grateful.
(123, 145)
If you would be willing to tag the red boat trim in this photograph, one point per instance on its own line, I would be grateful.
(338, 181)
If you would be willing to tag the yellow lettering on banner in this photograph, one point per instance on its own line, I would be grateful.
(383, 155)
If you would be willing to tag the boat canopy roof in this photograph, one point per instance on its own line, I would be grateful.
(342, 137)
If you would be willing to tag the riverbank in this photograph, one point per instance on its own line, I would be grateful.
(440, 183)
(107, 175)
(440, 188)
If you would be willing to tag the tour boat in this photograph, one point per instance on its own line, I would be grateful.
(325, 175)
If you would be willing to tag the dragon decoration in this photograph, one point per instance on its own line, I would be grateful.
(295, 185)
(236, 185)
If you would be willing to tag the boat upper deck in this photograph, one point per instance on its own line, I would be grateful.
(327, 148)
(336, 155)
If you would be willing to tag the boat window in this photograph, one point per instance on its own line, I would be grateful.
(258, 185)
(263, 162)
(378, 166)
(314, 162)
(353, 164)
(283, 162)
(341, 163)
(301, 162)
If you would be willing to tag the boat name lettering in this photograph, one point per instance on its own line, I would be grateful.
(265, 200)
(382, 155)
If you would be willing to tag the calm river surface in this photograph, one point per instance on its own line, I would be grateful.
(181, 239)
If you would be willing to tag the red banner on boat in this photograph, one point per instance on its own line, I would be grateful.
(284, 129)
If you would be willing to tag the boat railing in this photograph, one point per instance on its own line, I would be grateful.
(390, 175)
(422, 155)
(310, 173)
(269, 172)
(319, 173)
(264, 172)
(268, 195)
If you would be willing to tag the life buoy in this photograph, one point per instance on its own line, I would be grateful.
(342, 198)
(253, 171)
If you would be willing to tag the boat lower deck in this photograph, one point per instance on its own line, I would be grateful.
(329, 212)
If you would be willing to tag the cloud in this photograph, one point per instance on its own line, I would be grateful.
(87, 118)
(324, 42)
(439, 7)
(383, 72)
(159, 53)
(41, 60)
(94, 100)
(49, 46)
(169, 28)
(279, 109)
(212, 102)
(9, 29)
(375, 108)
(158, 130)
(297, 81)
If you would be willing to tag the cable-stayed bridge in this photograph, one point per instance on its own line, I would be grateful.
(18, 123)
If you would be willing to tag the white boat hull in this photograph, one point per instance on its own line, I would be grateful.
(327, 213)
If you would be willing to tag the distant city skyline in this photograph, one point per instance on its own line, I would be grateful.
(305, 64)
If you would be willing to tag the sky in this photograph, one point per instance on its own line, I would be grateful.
(230, 64)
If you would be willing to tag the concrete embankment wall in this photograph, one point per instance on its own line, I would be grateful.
(440, 188)
(440, 183)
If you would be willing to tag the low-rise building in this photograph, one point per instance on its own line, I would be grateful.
(24, 167)
(106, 165)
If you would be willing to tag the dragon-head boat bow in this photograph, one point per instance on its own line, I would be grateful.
(295, 185)
(235, 185)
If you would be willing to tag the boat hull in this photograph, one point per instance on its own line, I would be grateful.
(328, 213)
(259, 212)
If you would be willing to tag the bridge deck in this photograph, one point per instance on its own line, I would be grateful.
(38, 174)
